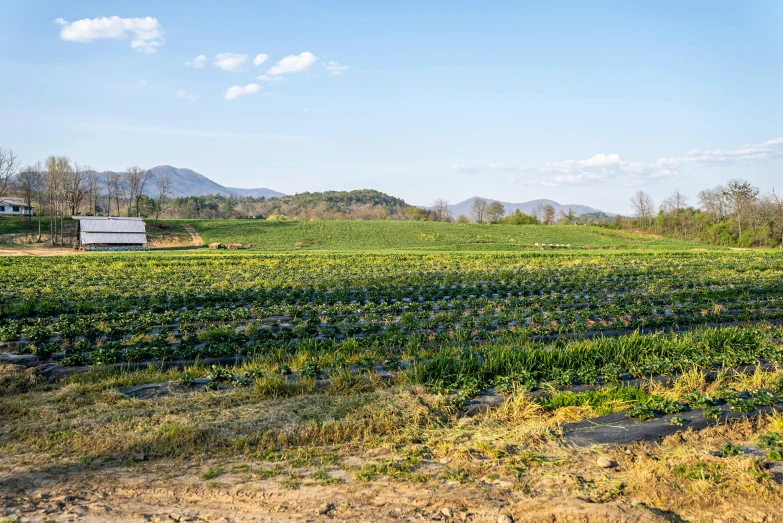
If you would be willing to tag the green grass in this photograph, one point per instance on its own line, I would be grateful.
(20, 225)
(604, 400)
(419, 236)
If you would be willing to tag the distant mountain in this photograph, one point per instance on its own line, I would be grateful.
(191, 183)
(525, 207)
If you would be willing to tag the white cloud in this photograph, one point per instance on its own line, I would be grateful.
(295, 63)
(145, 34)
(142, 84)
(260, 59)
(229, 61)
(306, 110)
(234, 92)
(335, 68)
(611, 167)
(198, 62)
(270, 79)
(184, 95)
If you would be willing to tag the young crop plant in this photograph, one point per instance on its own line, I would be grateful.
(699, 400)
(728, 449)
(220, 374)
(773, 442)
(711, 412)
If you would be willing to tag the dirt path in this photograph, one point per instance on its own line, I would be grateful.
(197, 241)
(172, 492)
(35, 251)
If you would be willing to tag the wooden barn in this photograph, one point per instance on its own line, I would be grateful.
(112, 232)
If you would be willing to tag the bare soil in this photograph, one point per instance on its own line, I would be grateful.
(35, 251)
(173, 491)
(197, 241)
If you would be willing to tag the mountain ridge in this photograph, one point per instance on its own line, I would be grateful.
(187, 182)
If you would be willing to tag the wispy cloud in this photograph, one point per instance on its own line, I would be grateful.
(230, 61)
(260, 59)
(145, 34)
(194, 133)
(234, 92)
(198, 62)
(270, 78)
(603, 168)
(335, 68)
(184, 95)
(295, 63)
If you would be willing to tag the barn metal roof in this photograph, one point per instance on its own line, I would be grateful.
(99, 224)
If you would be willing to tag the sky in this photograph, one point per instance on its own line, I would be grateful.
(579, 102)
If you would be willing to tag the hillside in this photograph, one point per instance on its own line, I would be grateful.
(349, 235)
(190, 183)
(525, 207)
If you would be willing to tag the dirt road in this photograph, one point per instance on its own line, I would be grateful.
(197, 241)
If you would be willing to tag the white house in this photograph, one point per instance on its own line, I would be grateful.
(14, 207)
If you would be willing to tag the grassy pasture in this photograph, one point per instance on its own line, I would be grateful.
(358, 235)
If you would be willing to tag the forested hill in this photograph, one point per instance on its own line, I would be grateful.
(365, 204)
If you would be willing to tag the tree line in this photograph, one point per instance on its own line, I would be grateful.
(735, 214)
(59, 187)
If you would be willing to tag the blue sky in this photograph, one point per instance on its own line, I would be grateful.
(580, 102)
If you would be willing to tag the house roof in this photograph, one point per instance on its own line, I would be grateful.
(7, 200)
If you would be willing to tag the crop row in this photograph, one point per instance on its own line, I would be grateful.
(388, 299)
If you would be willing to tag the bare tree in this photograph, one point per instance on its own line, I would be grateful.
(549, 214)
(92, 184)
(643, 205)
(713, 202)
(28, 184)
(538, 211)
(136, 179)
(478, 209)
(55, 178)
(495, 212)
(8, 165)
(441, 211)
(75, 187)
(675, 203)
(163, 184)
(116, 187)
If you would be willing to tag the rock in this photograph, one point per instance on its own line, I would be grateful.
(605, 463)
(465, 421)
(444, 460)
(176, 517)
(446, 511)
(505, 518)
(325, 508)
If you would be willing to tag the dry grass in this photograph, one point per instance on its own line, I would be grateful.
(398, 427)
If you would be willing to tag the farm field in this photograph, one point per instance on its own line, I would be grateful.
(353, 235)
(399, 386)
